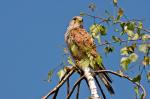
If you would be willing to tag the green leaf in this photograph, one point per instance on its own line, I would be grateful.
(125, 61)
(93, 30)
(137, 78)
(122, 25)
(106, 49)
(95, 33)
(133, 57)
(142, 95)
(131, 48)
(115, 2)
(144, 48)
(103, 30)
(135, 37)
(130, 33)
(136, 90)
(98, 37)
(130, 26)
(116, 39)
(96, 29)
(70, 61)
(109, 49)
(61, 73)
(140, 25)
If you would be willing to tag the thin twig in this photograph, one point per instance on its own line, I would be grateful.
(146, 30)
(78, 90)
(59, 84)
(108, 19)
(68, 86)
(77, 82)
(122, 41)
(96, 17)
(100, 87)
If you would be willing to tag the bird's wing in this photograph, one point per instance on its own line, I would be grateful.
(85, 43)
(83, 40)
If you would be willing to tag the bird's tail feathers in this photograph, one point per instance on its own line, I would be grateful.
(105, 78)
(107, 83)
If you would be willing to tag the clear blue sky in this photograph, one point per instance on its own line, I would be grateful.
(32, 40)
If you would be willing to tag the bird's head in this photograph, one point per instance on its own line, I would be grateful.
(76, 22)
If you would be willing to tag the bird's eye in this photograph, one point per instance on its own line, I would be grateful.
(74, 18)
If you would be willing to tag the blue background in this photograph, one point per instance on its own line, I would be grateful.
(32, 41)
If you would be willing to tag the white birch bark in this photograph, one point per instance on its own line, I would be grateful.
(91, 82)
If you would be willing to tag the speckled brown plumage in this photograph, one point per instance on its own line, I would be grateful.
(82, 42)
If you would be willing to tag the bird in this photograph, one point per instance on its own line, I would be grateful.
(83, 50)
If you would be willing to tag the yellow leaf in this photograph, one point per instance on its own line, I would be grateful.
(135, 37)
(61, 73)
(124, 51)
(120, 12)
(145, 37)
(133, 57)
(144, 48)
(125, 61)
(130, 33)
(146, 61)
(115, 2)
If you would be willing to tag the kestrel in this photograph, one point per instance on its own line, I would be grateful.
(83, 50)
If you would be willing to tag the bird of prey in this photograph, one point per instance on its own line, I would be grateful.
(83, 50)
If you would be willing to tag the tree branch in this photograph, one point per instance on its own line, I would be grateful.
(56, 93)
(114, 20)
(146, 30)
(97, 17)
(77, 83)
(126, 77)
(78, 90)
